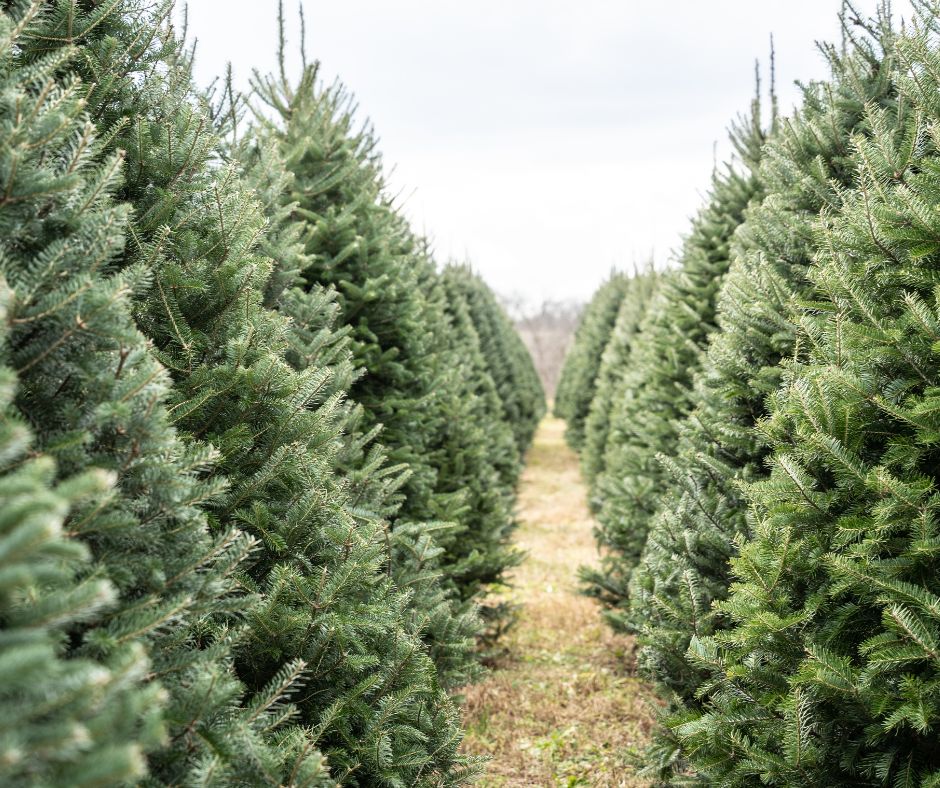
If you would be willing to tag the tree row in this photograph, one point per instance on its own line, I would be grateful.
(759, 428)
(258, 450)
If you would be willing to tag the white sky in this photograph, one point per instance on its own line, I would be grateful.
(545, 141)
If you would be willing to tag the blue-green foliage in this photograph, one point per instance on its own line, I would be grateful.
(655, 391)
(220, 565)
(578, 382)
(685, 568)
(769, 518)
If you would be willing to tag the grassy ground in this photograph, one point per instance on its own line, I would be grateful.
(561, 708)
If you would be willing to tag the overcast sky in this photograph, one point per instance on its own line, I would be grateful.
(544, 141)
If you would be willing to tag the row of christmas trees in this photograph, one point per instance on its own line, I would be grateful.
(760, 428)
(258, 452)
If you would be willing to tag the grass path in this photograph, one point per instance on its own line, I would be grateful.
(561, 708)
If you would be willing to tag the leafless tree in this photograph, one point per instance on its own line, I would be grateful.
(547, 332)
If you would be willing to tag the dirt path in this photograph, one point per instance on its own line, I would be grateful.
(561, 708)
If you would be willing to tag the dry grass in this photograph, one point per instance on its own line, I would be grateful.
(562, 707)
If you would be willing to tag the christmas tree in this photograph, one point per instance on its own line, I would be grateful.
(459, 282)
(358, 245)
(478, 457)
(826, 672)
(448, 624)
(507, 360)
(63, 718)
(415, 384)
(577, 384)
(685, 568)
(99, 402)
(614, 362)
(656, 389)
(328, 618)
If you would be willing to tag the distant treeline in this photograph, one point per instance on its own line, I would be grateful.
(548, 332)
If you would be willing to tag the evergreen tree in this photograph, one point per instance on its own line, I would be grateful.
(829, 671)
(358, 245)
(459, 282)
(449, 625)
(657, 387)
(614, 363)
(97, 399)
(577, 384)
(487, 467)
(61, 718)
(328, 618)
(468, 309)
(685, 569)
(416, 383)
(485, 463)
(509, 363)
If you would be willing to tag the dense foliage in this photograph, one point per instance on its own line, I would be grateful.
(614, 361)
(778, 562)
(655, 390)
(423, 381)
(267, 477)
(685, 567)
(506, 358)
(846, 522)
(578, 383)
(258, 451)
(87, 380)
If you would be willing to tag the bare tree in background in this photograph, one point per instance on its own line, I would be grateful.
(547, 333)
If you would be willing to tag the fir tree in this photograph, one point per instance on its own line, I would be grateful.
(577, 384)
(828, 673)
(414, 384)
(449, 625)
(63, 720)
(656, 389)
(509, 363)
(359, 246)
(483, 462)
(458, 281)
(685, 568)
(328, 618)
(477, 551)
(614, 363)
(97, 399)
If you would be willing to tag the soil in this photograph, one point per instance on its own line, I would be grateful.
(562, 706)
